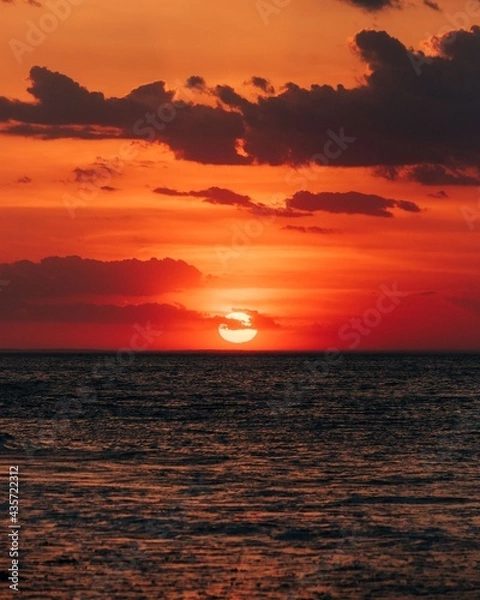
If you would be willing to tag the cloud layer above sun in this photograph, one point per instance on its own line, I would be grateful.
(395, 117)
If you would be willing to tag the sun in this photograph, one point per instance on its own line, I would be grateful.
(238, 330)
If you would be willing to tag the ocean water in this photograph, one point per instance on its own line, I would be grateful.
(243, 476)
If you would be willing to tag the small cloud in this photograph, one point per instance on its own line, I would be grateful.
(100, 173)
(262, 84)
(439, 194)
(433, 5)
(312, 229)
(258, 320)
(196, 82)
(423, 293)
(349, 203)
(31, 2)
(108, 188)
(387, 172)
(376, 5)
(212, 195)
(24, 179)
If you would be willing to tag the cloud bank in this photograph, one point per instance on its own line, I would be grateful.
(409, 110)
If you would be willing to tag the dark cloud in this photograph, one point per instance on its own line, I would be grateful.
(410, 109)
(262, 210)
(203, 134)
(216, 195)
(430, 174)
(100, 173)
(262, 84)
(231, 98)
(439, 194)
(213, 195)
(311, 229)
(389, 172)
(53, 132)
(161, 315)
(155, 318)
(349, 203)
(54, 278)
(31, 2)
(63, 108)
(81, 291)
(24, 179)
(431, 4)
(302, 204)
(164, 191)
(423, 293)
(440, 175)
(397, 117)
(62, 101)
(196, 82)
(376, 5)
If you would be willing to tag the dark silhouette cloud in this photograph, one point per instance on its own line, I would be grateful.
(311, 229)
(54, 132)
(213, 195)
(155, 318)
(302, 204)
(163, 315)
(376, 5)
(411, 109)
(262, 84)
(353, 203)
(433, 5)
(216, 195)
(196, 82)
(81, 291)
(440, 175)
(31, 2)
(430, 174)
(54, 278)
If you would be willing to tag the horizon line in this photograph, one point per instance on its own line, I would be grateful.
(230, 351)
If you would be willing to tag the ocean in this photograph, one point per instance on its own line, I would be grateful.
(241, 476)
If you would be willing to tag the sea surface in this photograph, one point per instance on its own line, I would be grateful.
(242, 476)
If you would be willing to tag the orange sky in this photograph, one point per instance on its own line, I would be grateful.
(309, 281)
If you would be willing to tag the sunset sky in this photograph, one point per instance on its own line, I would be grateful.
(314, 164)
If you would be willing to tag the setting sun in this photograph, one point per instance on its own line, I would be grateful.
(238, 329)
